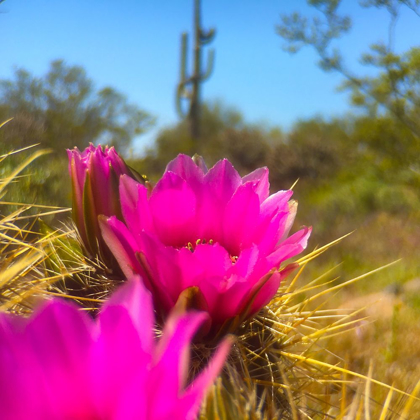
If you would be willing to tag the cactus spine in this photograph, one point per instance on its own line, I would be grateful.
(189, 86)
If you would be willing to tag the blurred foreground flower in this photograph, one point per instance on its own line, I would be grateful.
(210, 240)
(60, 364)
(95, 174)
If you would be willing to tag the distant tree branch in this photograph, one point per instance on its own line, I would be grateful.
(389, 88)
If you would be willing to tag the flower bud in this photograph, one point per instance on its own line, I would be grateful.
(95, 174)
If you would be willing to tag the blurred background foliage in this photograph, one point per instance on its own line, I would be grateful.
(63, 109)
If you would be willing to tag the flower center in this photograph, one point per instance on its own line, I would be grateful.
(193, 245)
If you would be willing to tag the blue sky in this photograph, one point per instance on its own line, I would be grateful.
(133, 45)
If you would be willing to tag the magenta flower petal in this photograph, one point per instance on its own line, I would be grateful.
(115, 159)
(185, 167)
(45, 334)
(266, 292)
(269, 232)
(214, 262)
(162, 263)
(67, 366)
(240, 215)
(78, 174)
(138, 307)
(219, 184)
(290, 219)
(48, 351)
(99, 170)
(292, 246)
(173, 205)
(222, 181)
(260, 178)
(226, 295)
(299, 238)
(122, 244)
(226, 305)
(111, 365)
(135, 208)
(245, 264)
(276, 203)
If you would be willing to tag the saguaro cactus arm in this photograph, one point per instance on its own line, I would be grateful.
(210, 66)
(181, 91)
(207, 36)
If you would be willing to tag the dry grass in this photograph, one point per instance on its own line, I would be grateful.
(22, 252)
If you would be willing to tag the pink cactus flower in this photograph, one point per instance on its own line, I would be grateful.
(95, 174)
(61, 364)
(210, 239)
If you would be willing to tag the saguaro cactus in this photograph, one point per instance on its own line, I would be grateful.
(189, 86)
